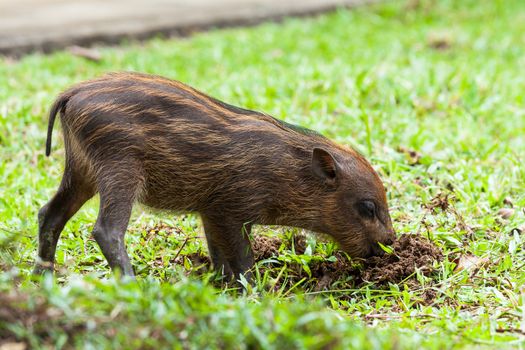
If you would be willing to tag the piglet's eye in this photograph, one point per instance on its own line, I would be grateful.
(367, 209)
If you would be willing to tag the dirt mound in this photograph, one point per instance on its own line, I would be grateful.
(265, 247)
(410, 253)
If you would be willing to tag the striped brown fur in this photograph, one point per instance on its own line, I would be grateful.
(142, 138)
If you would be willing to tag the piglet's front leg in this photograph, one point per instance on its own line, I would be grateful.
(229, 246)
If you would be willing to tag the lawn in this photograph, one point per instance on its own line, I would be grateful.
(429, 91)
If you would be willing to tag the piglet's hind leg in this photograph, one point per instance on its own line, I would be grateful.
(116, 203)
(75, 189)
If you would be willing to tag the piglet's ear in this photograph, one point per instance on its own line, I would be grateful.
(324, 165)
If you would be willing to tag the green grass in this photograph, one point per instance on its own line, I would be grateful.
(443, 78)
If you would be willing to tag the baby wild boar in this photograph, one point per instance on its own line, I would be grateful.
(140, 138)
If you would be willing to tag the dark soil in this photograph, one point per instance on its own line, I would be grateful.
(410, 253)
(265, 247)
